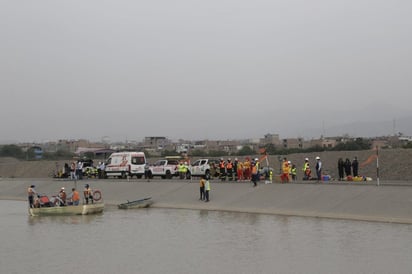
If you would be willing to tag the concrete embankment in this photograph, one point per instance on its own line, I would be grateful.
(360, 201)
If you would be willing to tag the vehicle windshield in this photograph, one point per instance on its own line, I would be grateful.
(196, 163)
(160, 163)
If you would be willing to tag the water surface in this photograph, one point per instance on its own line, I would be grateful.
(192, 241)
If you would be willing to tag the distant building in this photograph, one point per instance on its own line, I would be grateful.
(270, 139)
(182, 148)
(323, 142)
(156, 142)
(292, 143)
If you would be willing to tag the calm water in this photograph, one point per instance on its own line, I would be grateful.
(185, 241)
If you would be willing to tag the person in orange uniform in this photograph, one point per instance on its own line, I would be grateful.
(284, 178)
(239, 171)
(229, 169)
(75, 199)
(246, 169)
(222, 169)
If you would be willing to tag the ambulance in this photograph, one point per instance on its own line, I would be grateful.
(126, 164)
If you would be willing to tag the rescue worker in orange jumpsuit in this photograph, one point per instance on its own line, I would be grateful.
(284, 178)
(246, 169)
(239, 171)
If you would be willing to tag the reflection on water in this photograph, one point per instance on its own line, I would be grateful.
(192, 241)
(73, 220)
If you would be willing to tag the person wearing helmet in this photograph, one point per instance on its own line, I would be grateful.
(88, 194)
(318, 168)
(284, 178)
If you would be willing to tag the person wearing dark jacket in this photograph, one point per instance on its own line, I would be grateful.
(348, 167)
(341, 166)
(355, 167)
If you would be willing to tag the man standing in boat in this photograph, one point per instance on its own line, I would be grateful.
(62, 195)
(75, 198)
(88, 194)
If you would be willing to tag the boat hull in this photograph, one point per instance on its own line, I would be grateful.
(143, 203)
(67, 210)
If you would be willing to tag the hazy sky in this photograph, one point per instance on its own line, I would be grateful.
(216, 69)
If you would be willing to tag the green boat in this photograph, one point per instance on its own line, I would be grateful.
(141, 203)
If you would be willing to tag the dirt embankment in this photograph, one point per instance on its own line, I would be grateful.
(394, 164)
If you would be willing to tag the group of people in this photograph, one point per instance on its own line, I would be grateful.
(289, 170)
(61, 199)
(237, 170)
(307, 171)
(204, 188)
(250, 170)
(77, 170)
(348, 168)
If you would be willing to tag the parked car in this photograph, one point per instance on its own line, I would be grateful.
(203, 167)
(165, 168)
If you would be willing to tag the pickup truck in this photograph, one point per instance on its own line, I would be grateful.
(164, 168)
(203, 167)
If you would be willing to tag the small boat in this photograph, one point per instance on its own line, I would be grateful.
(84, 209)
(141, 203)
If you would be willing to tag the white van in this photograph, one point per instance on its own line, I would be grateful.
(123, 164)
